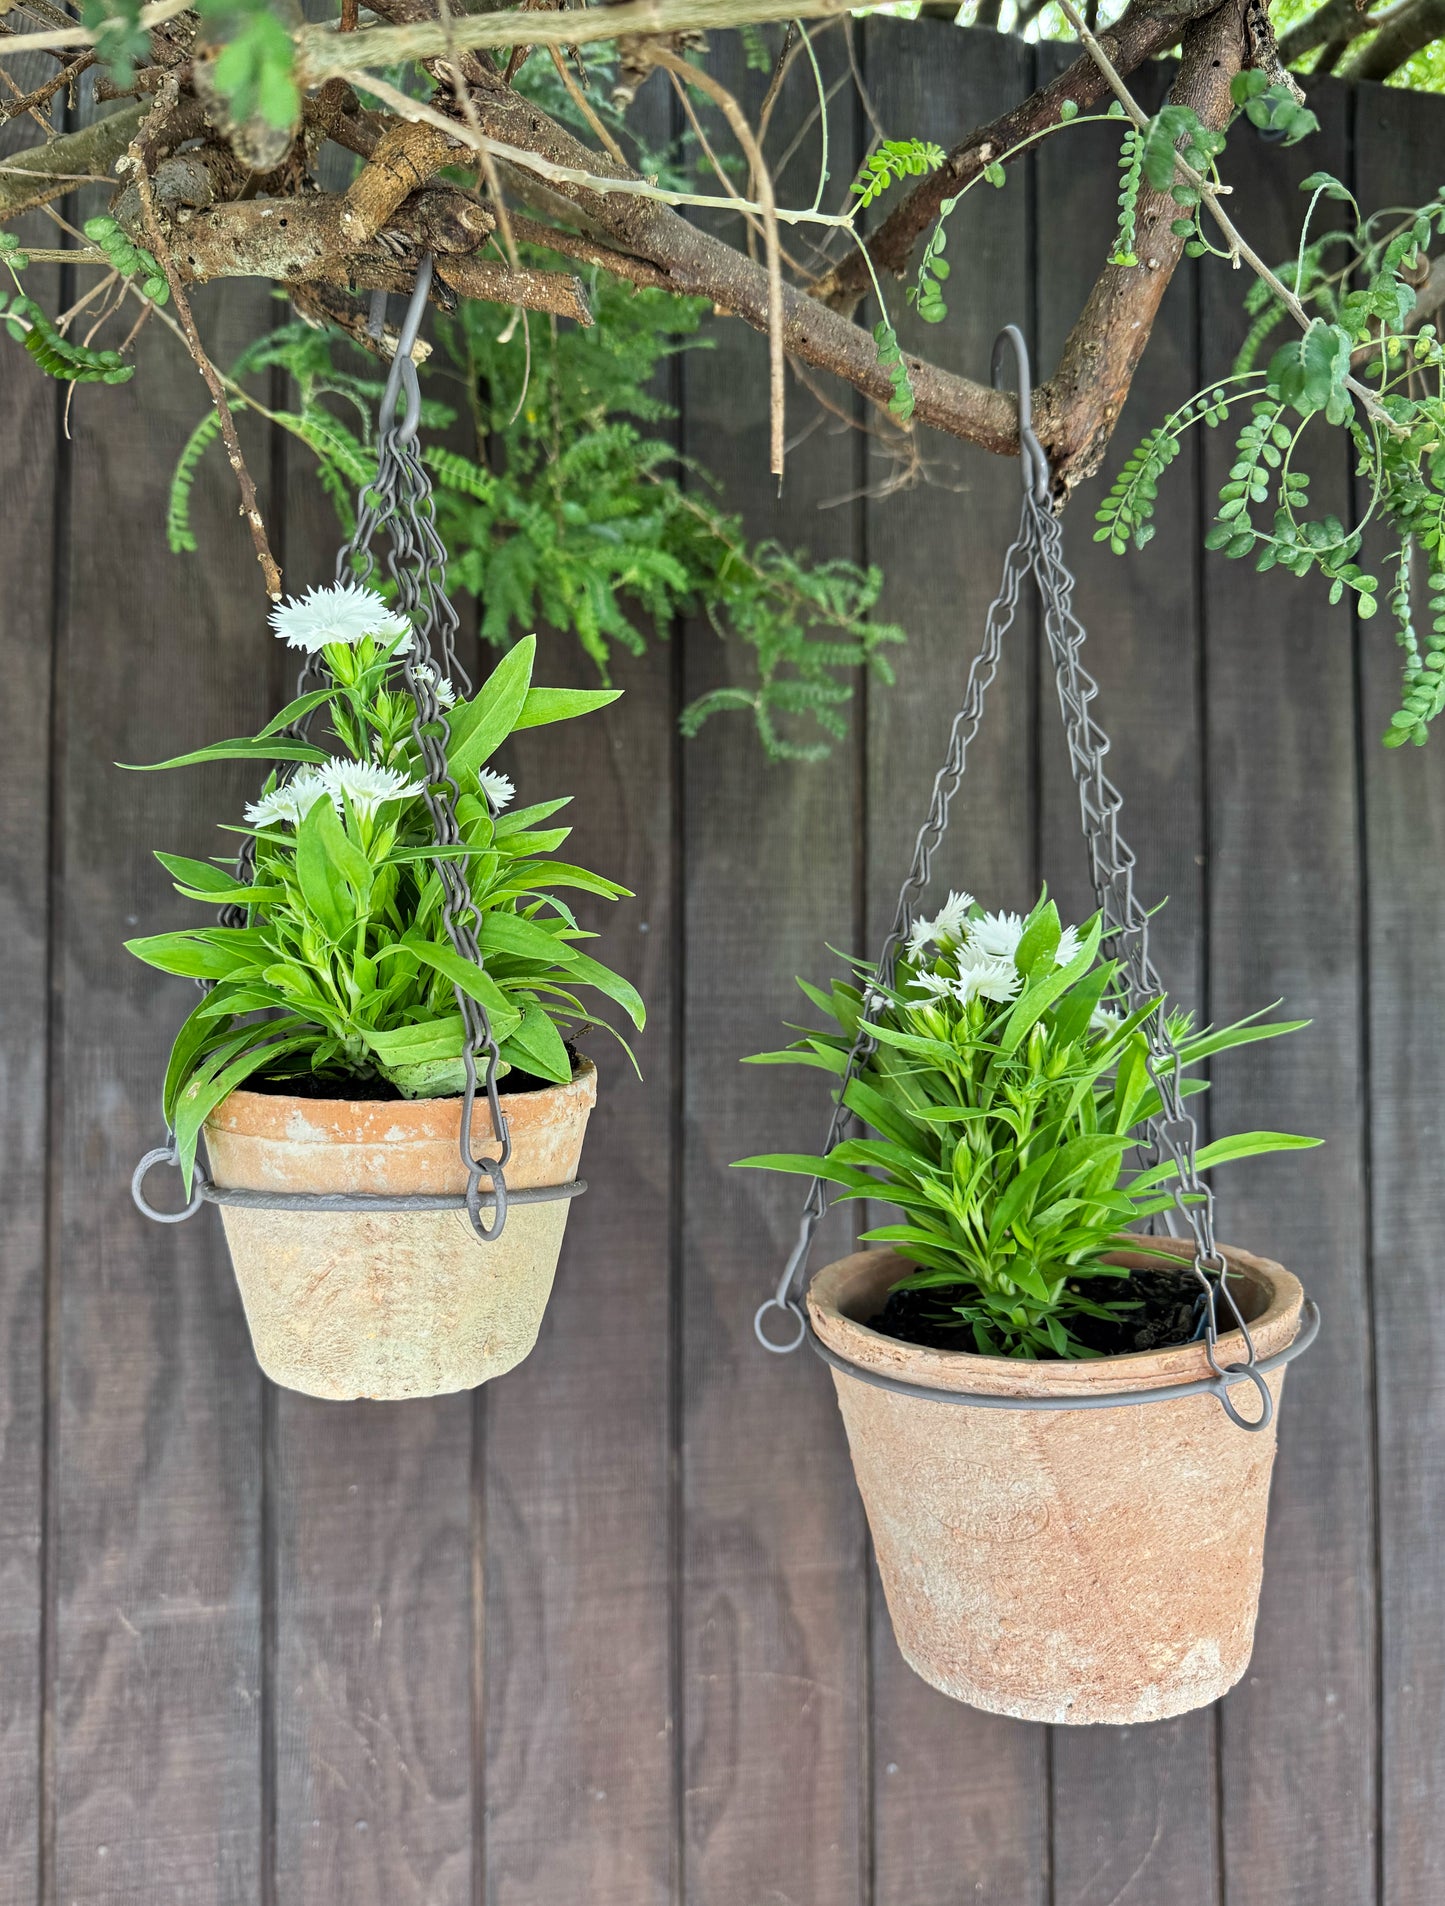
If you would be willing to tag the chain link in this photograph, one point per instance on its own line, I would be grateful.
(1038, 548)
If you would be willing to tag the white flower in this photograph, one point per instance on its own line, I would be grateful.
(1105, 1019)
(364, 784)
(920, 938)
(936, 985)
(1068, 946)
(497, 788)
(291, 802)
(951, 920)
(438, 684)
(343, 612)
(996, 936)
(987, 976)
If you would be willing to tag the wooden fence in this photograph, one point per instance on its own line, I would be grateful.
(607, 1629)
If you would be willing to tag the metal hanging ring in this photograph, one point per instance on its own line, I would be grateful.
(163, 1155)
(497, 1196)
(1249, 1372)
(759, 1331)
(1034, 463)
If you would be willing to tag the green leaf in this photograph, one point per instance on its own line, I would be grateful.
(325, 863)
(244, 749)
(543, 705)
(475, 983)
(537, 1046)
(511, 935)
(480, 726)
(584, 971)
(204, 954)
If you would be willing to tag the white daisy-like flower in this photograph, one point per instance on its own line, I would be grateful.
(343, 612)
(290, 803)
(995, 936)
(438, 684)
(497, 787)
(364, 784)
(951, 922)
(920, 938)
(1068, 946)
(936, 985)
(987, 976)
(1105, 1019)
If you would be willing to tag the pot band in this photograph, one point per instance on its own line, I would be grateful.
(206, 1192)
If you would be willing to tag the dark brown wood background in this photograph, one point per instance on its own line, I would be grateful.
(607, 1630)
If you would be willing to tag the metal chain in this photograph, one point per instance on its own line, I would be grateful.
(1038, 548)
(399, 502)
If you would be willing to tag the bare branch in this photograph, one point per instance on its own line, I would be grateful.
(42, 173)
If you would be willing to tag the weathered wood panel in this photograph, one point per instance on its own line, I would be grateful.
(1398, 143)
(1133, 1808)
(156, 1518)
(774, 1631)
(32, 476)
(1298, 1734)
(959, 1797)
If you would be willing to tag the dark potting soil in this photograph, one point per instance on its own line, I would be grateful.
(1164, 1316)
(308, 1085)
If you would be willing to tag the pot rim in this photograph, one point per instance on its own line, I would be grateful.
(849, 1283)
(288, 1115)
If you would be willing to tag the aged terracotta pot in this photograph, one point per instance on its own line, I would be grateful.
(395, 1303)
(1062, 1565)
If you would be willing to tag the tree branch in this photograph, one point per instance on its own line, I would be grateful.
(1147, 28)
(1409, 31)
(42, 173)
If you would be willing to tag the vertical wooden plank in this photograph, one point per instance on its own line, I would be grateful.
(370, 1505)
(579, 1772)
(580, 1776)
(1398, 137)
(29, 475)
(580, 1766)
(157, 1756)
(1298, 1734)
(959, 1796)
(773, 1612)
(1133, 1808)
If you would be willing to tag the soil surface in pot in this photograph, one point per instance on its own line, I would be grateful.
(307, 1085)
(1167, 1309)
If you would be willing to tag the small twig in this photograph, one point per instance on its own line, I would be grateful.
(762, 184)
(584, 106)
(775, 84)
(140, 171)
(43, 95)
(154, 15)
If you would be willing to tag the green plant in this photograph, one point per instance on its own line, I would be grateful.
(568, 511)
(343, 966)
(1005, 1091)
(1359, 327)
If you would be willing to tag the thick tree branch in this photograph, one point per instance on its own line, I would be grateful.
(1409, 30)
(42, 173)
(1087, 392)
(1337, 21)
(1147, 28)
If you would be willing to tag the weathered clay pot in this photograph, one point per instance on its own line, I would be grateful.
(1062, 1565)
(394, 1303)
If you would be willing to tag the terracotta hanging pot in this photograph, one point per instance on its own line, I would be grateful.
(391, 1304)
(1062, 1565)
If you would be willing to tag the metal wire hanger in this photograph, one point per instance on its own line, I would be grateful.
(398, 502)
(1037, 550)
